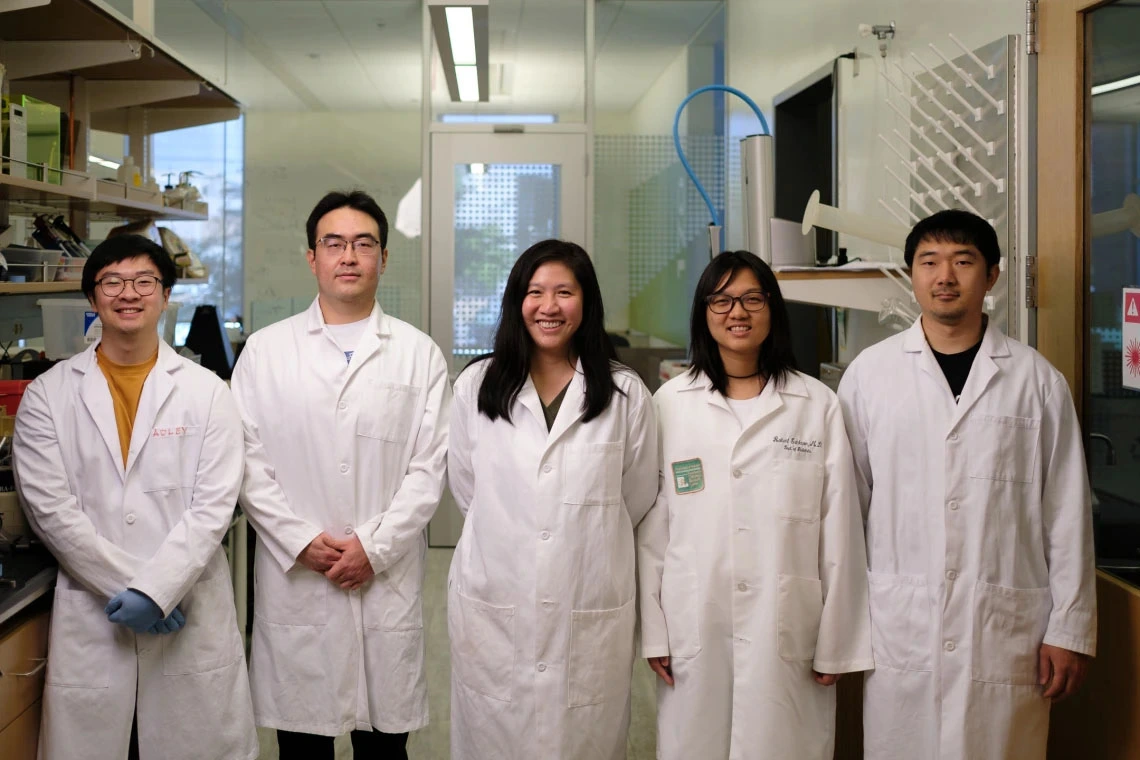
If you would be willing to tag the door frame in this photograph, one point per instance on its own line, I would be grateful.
(450, 148)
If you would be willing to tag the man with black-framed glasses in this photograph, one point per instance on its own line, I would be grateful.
(345, 411)
(128, 459)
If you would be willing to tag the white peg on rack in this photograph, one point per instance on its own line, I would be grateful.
(906, 209)
(935, 194)
(974, 57)
(969, 80)
(989, 146)
(898, 217)
(944, 157)
(976, 112)
(958, 121)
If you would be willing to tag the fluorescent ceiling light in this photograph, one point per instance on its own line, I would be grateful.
(467, 80)
(103, 162)
(1119, 84)
(461, 36)
(461, 32)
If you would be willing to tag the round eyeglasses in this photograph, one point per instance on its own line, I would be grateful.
(113, 285)
(337, 245)
(722, 303)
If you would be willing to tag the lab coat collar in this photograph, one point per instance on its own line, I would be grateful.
(771, 398)
(378, 321)
(568, 413)
(982, 373)
(96, 397)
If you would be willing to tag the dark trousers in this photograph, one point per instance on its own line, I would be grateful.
(366, 745)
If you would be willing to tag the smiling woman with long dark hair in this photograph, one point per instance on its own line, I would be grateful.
(553, 462)
(752, 567)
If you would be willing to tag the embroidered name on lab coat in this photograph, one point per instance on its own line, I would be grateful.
(172, 432)
(791, 443)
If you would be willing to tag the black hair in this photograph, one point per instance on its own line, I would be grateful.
(123, 247)
(776, 357)
(513, 347)
(354, 199)
(955, 226)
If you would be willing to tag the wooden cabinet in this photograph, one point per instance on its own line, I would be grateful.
(23, 663)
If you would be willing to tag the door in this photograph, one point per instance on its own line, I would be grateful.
(492, 196)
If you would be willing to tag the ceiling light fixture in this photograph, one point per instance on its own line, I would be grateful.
(461, 35)
(1119, 84)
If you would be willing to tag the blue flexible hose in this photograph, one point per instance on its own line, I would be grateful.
(677, 136)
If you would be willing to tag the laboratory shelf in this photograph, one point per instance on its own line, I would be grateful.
(37, 288)
(32, 196)
(851, 290)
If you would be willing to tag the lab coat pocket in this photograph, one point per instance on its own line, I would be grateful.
(900, 621)
(482, 645)
(1003, 448)
(799, 610)
(210, 638)
(796, 489)
(82, 641)
(680, 602)
(591, 473)
(1009, 626)
(387, 412)
(298, 597)
(601, 655)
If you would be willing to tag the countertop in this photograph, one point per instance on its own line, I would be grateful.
(33, 570)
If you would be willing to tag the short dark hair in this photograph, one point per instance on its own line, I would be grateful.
(510, 363)
(354, 199)
(955, 226)
(123, 247)
(776, 357)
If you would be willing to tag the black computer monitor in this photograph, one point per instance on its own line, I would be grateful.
(207, 337)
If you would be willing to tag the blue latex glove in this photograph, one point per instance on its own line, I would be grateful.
(133, 609)
(171, 623)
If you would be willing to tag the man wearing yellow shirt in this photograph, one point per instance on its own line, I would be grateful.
(128, 459)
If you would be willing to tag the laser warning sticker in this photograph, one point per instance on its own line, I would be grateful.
(1130, 339)
(688, 476)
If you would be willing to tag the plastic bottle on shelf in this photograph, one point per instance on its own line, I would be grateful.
(129, 173)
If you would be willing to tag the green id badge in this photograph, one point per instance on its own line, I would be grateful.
(688, 476)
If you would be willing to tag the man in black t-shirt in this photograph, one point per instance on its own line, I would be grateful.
(976, 503)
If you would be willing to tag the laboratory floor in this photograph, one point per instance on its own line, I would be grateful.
(431, 743)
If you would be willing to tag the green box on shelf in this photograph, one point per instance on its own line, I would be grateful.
(43, 139)
(14, 140)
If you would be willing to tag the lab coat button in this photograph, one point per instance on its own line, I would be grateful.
(953, 436)
(542, 667)
(545, 535)
(344, 468)
(949, 646)
(547, 468)
(130, 519)
(348, 530)
(342, 405)
(951, 575)
(953, 506)
(737, 474)
(742, 586)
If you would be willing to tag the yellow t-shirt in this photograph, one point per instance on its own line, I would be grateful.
(126, 384)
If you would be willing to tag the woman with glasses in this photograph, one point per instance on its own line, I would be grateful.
(751, 563)
(552, 459)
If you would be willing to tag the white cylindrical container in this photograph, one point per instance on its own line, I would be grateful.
(759, 189)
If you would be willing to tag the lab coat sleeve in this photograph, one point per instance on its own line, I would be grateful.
(179, 561)
(1067, 523)
(262, 498)
(388, 536)
(855, 421)
(652, 540)
(460, 475)
(52, 508)
(844, 642)
(640, 467)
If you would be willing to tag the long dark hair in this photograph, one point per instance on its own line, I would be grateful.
(776, 357)
(510, 363)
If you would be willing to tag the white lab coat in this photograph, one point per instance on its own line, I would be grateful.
(347, 448)
(979, 541)
(541, 594)
(755, 576)
(155, 526)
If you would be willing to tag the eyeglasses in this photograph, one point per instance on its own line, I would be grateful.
(337, 245)
(113, 285)
(722, 303)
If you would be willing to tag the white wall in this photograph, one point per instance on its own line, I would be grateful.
(654, 111)
(291, 160)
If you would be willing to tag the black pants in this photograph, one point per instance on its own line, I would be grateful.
(366, 745)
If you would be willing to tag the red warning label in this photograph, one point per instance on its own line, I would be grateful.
(1132, 306)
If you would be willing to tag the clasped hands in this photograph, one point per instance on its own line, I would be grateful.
(345, 563)
(138, 612)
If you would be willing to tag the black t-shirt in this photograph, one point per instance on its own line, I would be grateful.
(956, 367)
